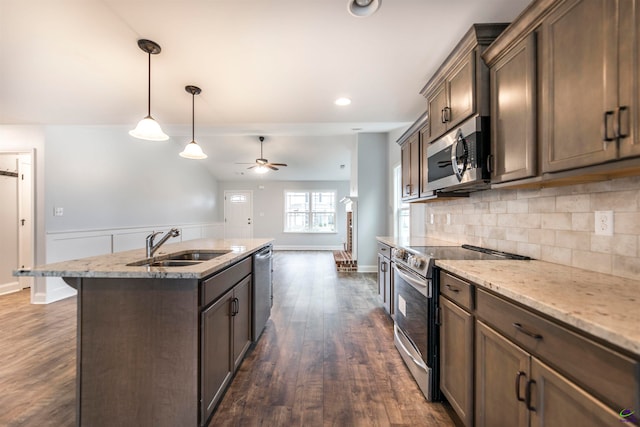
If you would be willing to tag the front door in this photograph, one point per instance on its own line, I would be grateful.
(238, 214)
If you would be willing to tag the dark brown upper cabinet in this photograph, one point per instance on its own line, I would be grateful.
(513, 113)
(460, 87)
(565, 93)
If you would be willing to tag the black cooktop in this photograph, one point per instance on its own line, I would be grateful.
(464, 252)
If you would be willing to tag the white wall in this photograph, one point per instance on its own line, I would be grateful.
(268, 212)
(393, 160)
(372, 197)
(103, 179)
(31, 139)
(8, 222)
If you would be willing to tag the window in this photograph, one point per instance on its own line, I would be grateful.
(310, 211)
(401, 218)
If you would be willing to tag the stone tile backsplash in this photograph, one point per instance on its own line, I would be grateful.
(551, 224)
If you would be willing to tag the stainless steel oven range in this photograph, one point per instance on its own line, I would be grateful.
(416, 333)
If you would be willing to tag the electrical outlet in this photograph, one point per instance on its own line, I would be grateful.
(431, 219)
(604, 223)
(58, 211)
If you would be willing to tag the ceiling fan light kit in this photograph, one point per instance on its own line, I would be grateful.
(193, 150)
(261, 164)
(363, 8)
(148, 128)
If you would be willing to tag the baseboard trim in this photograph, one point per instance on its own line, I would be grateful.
(9, 288)
(367, 269)
(56, 290)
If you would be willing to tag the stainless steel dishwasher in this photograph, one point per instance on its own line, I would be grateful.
(262, 290)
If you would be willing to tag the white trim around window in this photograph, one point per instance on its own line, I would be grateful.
(310, 211)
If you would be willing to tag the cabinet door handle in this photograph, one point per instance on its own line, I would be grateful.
(438, 320)
(527, 395)
(452, 289)
(605, 134)
(383, 266)
(235, 309)
(446, 114)
(525, 331)
(623, 109)
(519, 375)
(490, 163)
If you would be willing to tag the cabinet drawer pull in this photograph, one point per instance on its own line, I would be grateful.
(525, 331)
(605, 134)
(452, 289)
(519, 375)
(527, 395)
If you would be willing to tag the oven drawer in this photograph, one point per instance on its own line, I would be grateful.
(456, 290)
(603, 371)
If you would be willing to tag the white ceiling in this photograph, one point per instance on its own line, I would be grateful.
(265, 67)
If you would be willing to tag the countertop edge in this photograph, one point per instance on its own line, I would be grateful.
(114, 265)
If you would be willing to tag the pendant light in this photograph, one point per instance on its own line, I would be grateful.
(148, 128)
(193, 150)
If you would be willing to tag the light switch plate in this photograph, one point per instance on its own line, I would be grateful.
(604, 223)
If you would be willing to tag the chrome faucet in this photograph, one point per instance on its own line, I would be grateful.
(152, 248)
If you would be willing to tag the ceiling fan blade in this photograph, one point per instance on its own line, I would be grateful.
(248, 163)
(270, 166)
(279, 164)
(251, 167)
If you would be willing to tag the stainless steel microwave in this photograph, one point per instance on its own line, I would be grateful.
(458, 161)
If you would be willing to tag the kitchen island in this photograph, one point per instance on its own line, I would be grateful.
(158, 345)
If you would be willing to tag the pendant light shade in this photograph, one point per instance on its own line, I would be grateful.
(148, 128)
(193, 150)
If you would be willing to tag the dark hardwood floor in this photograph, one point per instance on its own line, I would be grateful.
(326, 358)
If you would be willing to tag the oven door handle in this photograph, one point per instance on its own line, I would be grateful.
(421, 285)
(406, 351)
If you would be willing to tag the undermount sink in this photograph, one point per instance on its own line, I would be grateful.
(197, 255)
(180, 259)
(172, 263)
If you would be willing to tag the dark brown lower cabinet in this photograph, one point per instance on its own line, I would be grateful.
(217, 368)
(241, 321)
(514, 388)
(501, 368)
(456, 354)
(226, 337)
(556, 401)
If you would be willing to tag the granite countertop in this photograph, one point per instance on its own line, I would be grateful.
(605, 306)
(115, 265)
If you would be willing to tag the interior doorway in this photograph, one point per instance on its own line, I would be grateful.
(16, 219)
(238, 214)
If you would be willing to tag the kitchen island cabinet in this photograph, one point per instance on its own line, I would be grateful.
(158, 345)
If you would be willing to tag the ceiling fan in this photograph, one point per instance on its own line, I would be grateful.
(261, 164)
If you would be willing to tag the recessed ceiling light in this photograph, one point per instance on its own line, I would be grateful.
(342, 101)
(363, 8)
